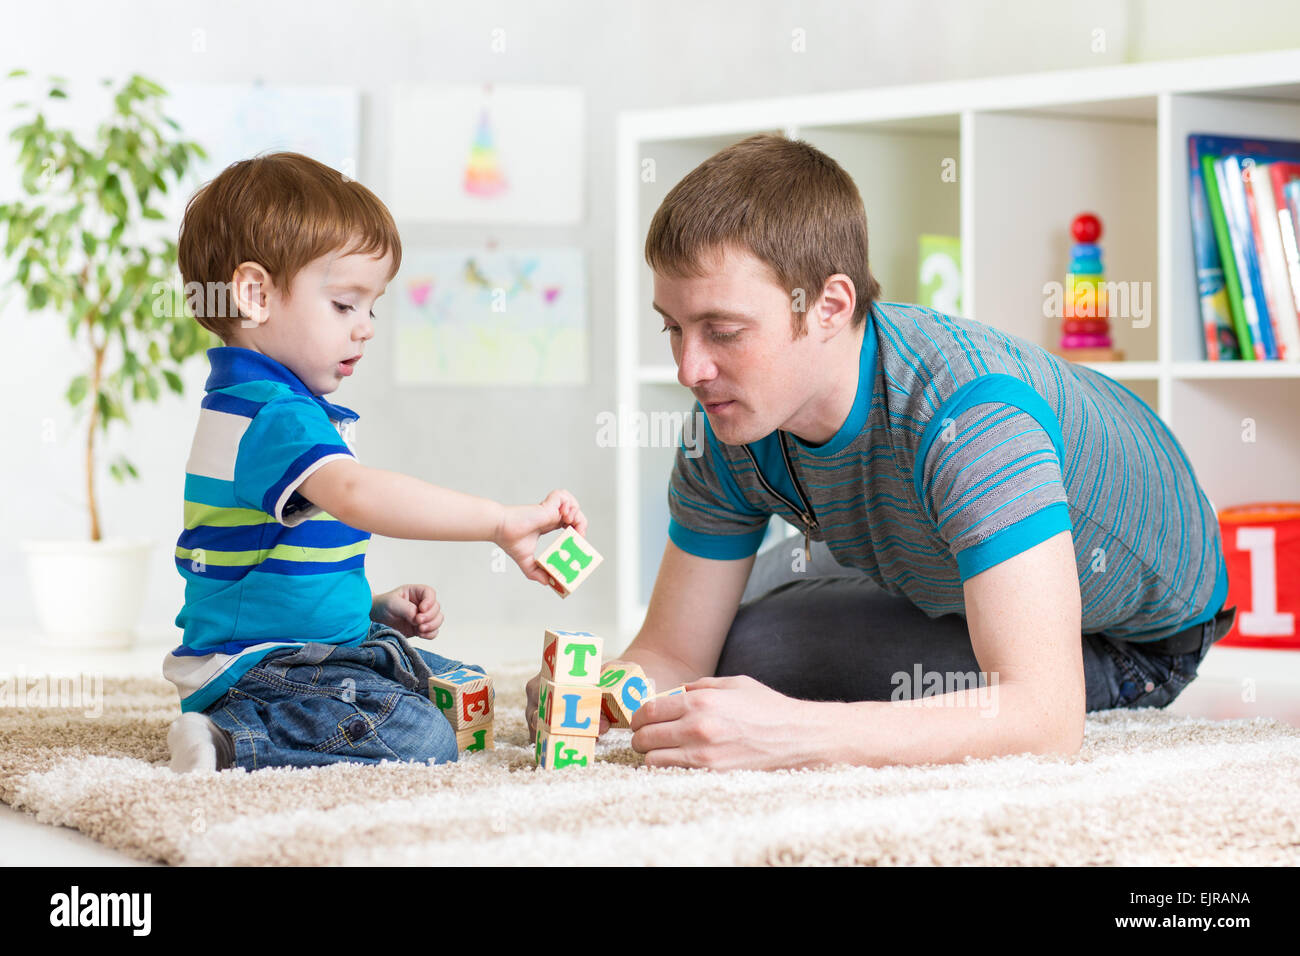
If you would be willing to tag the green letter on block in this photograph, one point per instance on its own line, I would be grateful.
(573, 555)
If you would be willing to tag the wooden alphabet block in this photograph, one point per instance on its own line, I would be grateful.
(625, 687)
(554, 751)
(569, 560)
(465, 696)
(572, 657)
(569, 709)
(474, 739)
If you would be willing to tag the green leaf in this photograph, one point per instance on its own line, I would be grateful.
(20, 72)
(151, 213)
(77, 390)
(174, 381)
(58, 94)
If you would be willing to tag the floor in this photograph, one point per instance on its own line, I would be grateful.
(1233, 683)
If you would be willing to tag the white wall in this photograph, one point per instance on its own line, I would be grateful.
(513, 444)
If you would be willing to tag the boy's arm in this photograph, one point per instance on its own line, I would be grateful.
(398, 506)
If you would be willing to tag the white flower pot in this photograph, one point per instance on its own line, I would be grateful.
(88, 593)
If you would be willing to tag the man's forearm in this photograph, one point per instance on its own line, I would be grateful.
(667, 672)
(394, 505)
(1004, 718)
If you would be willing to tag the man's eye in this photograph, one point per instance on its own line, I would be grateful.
(724, 336)
(671, 328)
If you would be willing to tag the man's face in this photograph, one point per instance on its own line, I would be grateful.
(325, 322)
(730, 331)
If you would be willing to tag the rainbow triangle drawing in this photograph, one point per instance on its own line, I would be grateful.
(483, 176)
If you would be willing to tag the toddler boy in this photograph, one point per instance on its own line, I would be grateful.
(287, 657)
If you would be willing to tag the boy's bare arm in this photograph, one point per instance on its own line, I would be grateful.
(398, 506)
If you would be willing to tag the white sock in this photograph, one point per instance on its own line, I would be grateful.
(192, 740)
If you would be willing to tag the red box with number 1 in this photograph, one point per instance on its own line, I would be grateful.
(1261, 547)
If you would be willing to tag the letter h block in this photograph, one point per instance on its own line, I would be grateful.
(569, 560)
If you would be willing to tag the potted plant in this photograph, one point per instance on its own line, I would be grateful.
(81, 247)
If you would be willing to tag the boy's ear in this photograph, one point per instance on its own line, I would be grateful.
(249, 292)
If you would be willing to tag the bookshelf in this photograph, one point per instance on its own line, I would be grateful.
(1031, 152)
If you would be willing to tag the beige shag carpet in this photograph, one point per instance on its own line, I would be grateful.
(1148, 788)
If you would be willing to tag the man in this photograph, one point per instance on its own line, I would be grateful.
(990, 509)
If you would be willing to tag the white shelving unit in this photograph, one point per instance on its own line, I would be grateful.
(1031, 153)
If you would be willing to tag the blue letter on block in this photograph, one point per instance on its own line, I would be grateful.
(633, 703)
(571, 702)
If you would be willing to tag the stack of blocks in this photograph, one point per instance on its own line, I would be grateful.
(465, 698)
(568, 699)
(573, 693)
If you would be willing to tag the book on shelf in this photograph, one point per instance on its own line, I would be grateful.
(1243, 196)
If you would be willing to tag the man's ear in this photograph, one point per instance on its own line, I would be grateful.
(250, 291)
(833, 312)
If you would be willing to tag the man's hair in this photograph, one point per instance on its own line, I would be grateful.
(786, 202)
(281, 210)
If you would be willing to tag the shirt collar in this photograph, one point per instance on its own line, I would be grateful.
(857, 417)
(233, 365)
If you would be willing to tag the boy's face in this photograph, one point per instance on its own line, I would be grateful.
(320, 331)
(730, 331)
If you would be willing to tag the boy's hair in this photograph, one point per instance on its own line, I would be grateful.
(786, 202)
(281, 210)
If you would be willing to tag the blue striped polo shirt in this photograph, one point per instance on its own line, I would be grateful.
(964, 447)
(263, 566)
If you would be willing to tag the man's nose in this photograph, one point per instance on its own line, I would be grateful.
(694, 364)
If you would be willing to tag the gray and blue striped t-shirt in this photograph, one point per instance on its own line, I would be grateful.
(966, 446)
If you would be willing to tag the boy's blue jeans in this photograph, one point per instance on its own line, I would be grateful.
(326, 703)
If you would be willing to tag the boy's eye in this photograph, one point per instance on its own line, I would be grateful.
(344, 307)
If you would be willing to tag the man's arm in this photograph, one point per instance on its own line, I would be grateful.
(1024, 618)
(691, 609)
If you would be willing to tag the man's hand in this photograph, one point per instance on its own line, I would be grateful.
(724, 723)
(522, 525)
(411, 609)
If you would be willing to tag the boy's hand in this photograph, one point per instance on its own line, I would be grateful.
(522, 525)
(411, 609)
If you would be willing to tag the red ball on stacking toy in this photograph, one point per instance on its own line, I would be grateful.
(1086, 228)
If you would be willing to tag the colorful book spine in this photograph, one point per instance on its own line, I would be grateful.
(1240, 322)
(1243, 248)
(1272, 259)
(1211, 291)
